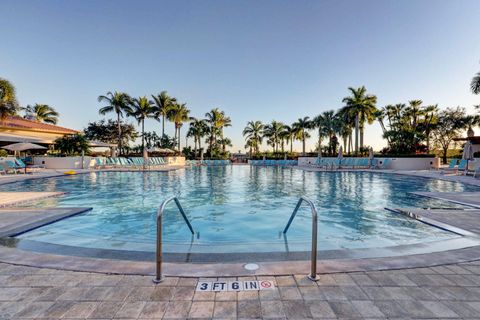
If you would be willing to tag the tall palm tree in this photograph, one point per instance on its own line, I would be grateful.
(319, 123)
(348, 119)
(273, 131)
(285, 136)
(363, 106)
(290, 133)
(178, 114)
(117, 102)
(301, 127)
(250, 145)
(217, 121)
(475, 84)
(253, 132)
(163, 102)
(198, 129)
(430, 118)
(8, 100)
(330, 127)
(141, 109)
(42, 113)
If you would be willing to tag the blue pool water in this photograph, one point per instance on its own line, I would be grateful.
(237, 209)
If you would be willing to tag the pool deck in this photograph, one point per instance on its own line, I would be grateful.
(8, 199)
(425, 286)
(17, 220)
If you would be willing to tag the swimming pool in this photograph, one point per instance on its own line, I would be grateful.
(237, 209)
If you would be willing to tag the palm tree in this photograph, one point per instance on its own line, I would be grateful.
(42, 113)
(290, 133)
(301, 127)
(475, 84)
(319, 123)
(284, 136)
(8, 100)
(163, 102)
(348, 119)
(117, 102)
(141, 109)
(198, 129)
(225, 142)
(253, 132)
(273, 132)
(217, 121)
(178, 114)
(250, 145)
(363, 106)
(330, 127)
(430, 117)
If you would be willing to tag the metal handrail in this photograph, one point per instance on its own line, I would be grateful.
(158, 277)
(313, 263)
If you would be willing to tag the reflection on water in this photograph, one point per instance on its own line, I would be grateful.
(238, 208)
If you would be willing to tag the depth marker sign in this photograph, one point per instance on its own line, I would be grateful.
(217, 286)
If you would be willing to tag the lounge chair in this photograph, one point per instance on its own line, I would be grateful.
(2, 170)
(34, 167)
(476, 173)
(11, 166)
(452, 164)
(462, 167)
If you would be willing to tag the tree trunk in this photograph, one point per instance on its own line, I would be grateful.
(195, 150)
(179, 139)
(163, 125)
(303, 143)
(428, 141)
(319, 144)
(361, 136)
(119, 134)
(143, 136)
(356, 134)
(291, 145)
(445, 150)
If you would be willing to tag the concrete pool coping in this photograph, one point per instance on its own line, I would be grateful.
(29, 258)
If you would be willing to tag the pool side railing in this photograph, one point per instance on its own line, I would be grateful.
(158, 275)
(313, 255)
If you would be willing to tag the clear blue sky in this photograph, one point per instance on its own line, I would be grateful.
(257, 60)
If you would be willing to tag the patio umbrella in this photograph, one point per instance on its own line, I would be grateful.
(468, 152)
(23, 146)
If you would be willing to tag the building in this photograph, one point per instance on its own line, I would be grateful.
(17, 129)
(475, 140)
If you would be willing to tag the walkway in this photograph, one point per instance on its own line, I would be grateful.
(451, 291)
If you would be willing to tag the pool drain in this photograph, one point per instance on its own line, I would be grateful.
(251, 266)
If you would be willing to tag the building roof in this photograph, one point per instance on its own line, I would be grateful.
(19, 123)
(473, 140)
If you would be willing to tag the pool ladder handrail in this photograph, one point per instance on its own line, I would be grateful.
(158, 276)
(313, 256)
